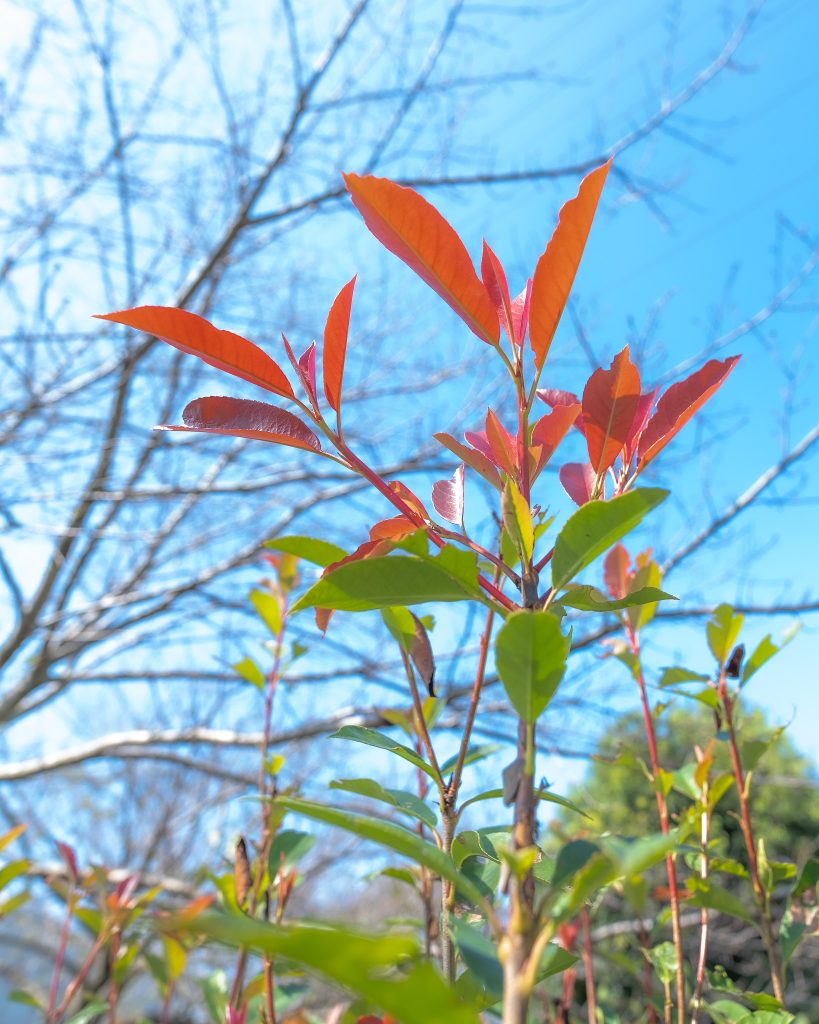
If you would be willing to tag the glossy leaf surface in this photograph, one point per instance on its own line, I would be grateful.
(448, 497)
(373, 738)
(610, 401)
(240, 417)
(401, 799)
(595, 527)
(334, 352)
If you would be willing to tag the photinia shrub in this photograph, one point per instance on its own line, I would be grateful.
(500, 917)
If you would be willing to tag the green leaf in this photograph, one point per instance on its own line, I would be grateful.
(590, 599)
(724, 1011)
(382, 969)
(385, 833)
(663, 957)
(214, 990)
(269, 609)
(400, 623)
(634, 856)
(722, 631)
(475, 843)
(19, 996)
(291, 845)
(530, 655)
(88, 1012)
(705, 894)
(479, 955)
(384, 582)
(517, 519)
(764, 651)
(595, 527)
(311, 549)
(249, 671)
(543, 794)
(473, 754)
(675, 676)
(801, 917)
(360, 734)
(571, 858)
(646, 577)
(404, 801)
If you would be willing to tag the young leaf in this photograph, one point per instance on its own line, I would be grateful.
(589, 599)
(615, 571)
(763, 651)
(557, 267)
(448, 497)
(195, 335)
(722, 631)
(396, 528)
(286, 850)
(521, 305)
(334, 351)
(421, 654)
(250, 672)
(578, 479)
(595, 527)
(530, 654)
(268, 608)
(474, 459)
(501, 444)
(311, 549)
(407, 802)
(394, 837)
(610, 401)
(416, 233)
(382, 582)
(239, 417)
(372, 738)
(473, 754)
(517, 519)
(494, 280)
(550, 430)
(677, 405)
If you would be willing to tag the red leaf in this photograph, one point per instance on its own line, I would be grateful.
(616, 571)
(69, 856)
(676, 407)
(474, 459)
(639, 425)
(553, 397)
(520, 313)
(610, 401)
(409, 498)
(550, 430)
(193, 334)
(494, 280)
(307, 365)
(393, 529)
(578, 481)
(334, 353)
(413, 229)
(239, 417)
(323, 616)
(448, 497)
(502, 443)
(556, 268)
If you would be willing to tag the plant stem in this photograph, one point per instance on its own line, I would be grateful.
(447, 950)
(696, 1001)
(662, 808)
(61, 948)
(760, 893)
(591, 998)
(651, 1014)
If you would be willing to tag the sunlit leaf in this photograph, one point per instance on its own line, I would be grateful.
(530, 654)
(615, 571)
(556, 269)
(494, 280)
(193, 334)
(448, 497)
(335, 344)
(595, 527)
(722, 631)
(589, 599)
(403, 800)
(311, 549)
(677, 405)
(474, 459)
(578, 480)
(372, 738)
(610, 402)
(416, 233)
(517, 519)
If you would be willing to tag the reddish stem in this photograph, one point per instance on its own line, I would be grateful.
(662, 808)
(591, 999)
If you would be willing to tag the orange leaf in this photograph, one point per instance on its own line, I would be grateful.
(494, 280)
(550, 430)
(416, 233)
(502, 444)
(239, 417)
(556, 268)
(193, 334)
(610, 401)
(616, 571)
(409, 498)
(335, 344)
(393, 529)
(676, 407)
(475, 460)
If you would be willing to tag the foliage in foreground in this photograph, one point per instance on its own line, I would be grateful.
(501, 915)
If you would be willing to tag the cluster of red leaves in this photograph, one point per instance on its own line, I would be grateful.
(616, 418)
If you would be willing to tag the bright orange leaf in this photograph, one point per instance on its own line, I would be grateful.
(677, 405)
(335, 344)
(557, 267)
(474, 459)
(195, 335)
(416, 233)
